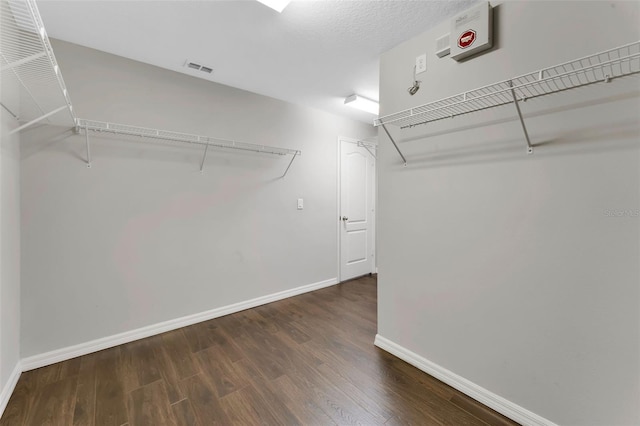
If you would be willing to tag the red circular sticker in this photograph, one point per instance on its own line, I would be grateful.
(466, 39)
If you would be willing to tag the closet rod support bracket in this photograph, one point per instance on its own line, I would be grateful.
(394, 144)
(295, 154)
(36, 120)
(524, 127)
(204, 156)
(365, 146)
(86, 139)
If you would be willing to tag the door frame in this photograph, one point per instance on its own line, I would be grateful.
(374, 266)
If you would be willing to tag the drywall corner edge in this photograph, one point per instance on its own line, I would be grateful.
(7, 390)
(480, 394)
(63, 354)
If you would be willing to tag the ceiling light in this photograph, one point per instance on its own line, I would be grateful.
(277, 5)
(362, 104)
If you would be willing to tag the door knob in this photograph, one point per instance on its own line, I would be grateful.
(344, 218)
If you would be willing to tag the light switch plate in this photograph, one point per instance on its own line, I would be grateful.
(300, 203)
(421, 63)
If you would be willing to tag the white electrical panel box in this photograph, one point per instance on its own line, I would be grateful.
(471, 31)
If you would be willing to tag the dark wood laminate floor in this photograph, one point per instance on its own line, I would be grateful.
(306, 360)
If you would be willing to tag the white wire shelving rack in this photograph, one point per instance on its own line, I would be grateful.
(600, 67)
(167, 135)
(26, 56)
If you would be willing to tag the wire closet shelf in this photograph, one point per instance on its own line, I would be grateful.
(167, 135)
(600, 67)
(26, 55)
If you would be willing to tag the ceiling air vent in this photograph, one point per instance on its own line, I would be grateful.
(198, 67)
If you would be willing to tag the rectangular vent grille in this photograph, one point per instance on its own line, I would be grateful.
(198, 67)
(442, 46)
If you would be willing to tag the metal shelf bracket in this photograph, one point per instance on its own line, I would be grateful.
(204, 156)
(524, 128)
(35, 120)
(404, 160)
(86, 138)
(295, 154)
(366, 146)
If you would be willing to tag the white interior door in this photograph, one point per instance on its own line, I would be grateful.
(357, 210)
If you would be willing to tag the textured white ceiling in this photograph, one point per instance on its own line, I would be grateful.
(315, 53)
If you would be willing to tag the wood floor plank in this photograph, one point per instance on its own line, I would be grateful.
(385, 395)
(372, 405)
(21, 401)
(308, 359)
(225, 378)
(184, 414)
(149, 405)
(262, 390)
(84, 410)
(300, 403)
(240, 410)
(110, 409)
(199, 337)
(265, 361)
(145, 362)
(204, 401)
(255, 406)
(53, 403)
(177, 348)
(70, 368)
(480, 411)
(222, 338)
(167, 370)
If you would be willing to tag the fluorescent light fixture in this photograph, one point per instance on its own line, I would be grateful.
(277, 5)
(362, 104)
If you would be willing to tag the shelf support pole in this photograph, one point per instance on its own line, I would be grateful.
(367, 148)
(9, 111)
(394, 144)
(204, 156)
(524, 128)
(86, 139)
(295, 154)
(35, 120)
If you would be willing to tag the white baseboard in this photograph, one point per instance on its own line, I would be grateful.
(70, 352)
(480, 394)
(8, 388)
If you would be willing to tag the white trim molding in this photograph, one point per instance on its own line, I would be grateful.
(8, 388)
(480, 394)
(70, 352)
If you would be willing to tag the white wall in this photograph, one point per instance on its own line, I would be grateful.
(143, 237)
(506, 269)
(9, 238)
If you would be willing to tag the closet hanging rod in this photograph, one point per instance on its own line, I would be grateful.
(605, 66)
(167, 135)
(600, 67)
(144, 132)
